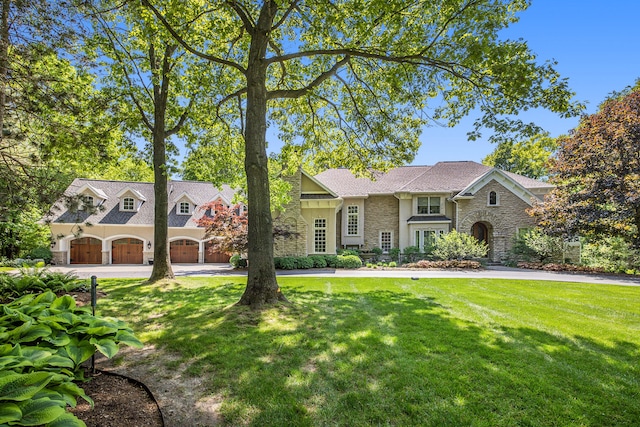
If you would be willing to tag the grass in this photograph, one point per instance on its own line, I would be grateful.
(400, 352)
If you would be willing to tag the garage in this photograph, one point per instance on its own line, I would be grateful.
(214, 257)
(86, 250)
(184, 251)
(126, 251)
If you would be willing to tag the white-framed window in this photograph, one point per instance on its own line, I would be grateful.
(386, 241)
(128, 204)
(493, 199)
(428, 205)
(352, 220)
(184, 208)
(426, 238)
(320, 235)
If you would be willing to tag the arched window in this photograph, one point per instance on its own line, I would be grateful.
(493, 198)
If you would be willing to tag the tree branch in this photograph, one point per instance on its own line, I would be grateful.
(297, 93)
(188, 47)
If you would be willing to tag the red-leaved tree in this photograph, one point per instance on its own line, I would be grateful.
(597, 174)
(227, 226)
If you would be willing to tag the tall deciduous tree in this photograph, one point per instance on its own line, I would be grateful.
(597, 173)
(529, 157)
(351, 82)
(148, 68)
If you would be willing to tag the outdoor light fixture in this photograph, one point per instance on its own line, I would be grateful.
(53, 244)
(149, 245)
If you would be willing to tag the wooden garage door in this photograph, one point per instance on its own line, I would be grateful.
(126, 251)
(184, 251)
(86, 250)
(214, 257)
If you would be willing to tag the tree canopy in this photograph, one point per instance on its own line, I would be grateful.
(351, 83)
(597, 173)
(529, 157)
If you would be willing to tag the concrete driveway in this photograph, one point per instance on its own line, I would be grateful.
(492, 272)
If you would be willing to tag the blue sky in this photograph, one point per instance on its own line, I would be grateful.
(597, 46)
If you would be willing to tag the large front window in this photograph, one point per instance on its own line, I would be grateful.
(428, 205)
(320, 235)
(352, 220)
(426, 239)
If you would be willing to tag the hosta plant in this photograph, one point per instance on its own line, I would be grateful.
(44, 339)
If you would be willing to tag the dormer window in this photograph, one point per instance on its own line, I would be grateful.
(428, 205)
(128, 204)
(184, 208)
(130, 199)
(493, 199)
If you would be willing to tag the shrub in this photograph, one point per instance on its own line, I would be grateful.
(393, 264)
(235, 260)
(34, 280)
(42, 357)
(459, 246)
(347, 252)
(285, 263)
(611, 254)
(535, 246)
(394, 254)
(376, 251)
(319, 261)
(369, 265)
(304, 262)
(332, 261)
(42, 253)
(349, 261)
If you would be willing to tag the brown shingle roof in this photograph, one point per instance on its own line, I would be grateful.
(443, 177)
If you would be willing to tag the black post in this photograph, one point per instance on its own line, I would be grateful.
(94, 285)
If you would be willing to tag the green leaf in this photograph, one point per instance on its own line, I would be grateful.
(59, 340)
(65, 302)
(34, 332)
(106, 346)
(67, 420)
(40, 411)
(127, 338)
(80, 351)
(19, 387)
(69, 391)
(9, 412)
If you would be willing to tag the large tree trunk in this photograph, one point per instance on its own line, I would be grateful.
(161, 261)
(161, 255)
(262, 287)
(4, 59)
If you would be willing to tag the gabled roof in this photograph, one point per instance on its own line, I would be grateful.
(138, 195)
(443, 177)
(500, 176)
(198, 193)
(93, 189)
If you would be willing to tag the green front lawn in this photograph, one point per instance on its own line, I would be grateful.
(401, 352)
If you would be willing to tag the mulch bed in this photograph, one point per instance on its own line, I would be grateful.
(118, 402)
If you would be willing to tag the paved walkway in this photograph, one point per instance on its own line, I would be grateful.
(492, 272)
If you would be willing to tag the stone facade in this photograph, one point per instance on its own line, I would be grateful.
(502, 220)
(381, 213)
(291, 219)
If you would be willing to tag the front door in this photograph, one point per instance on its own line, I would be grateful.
(126, 251)
(480, 232)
